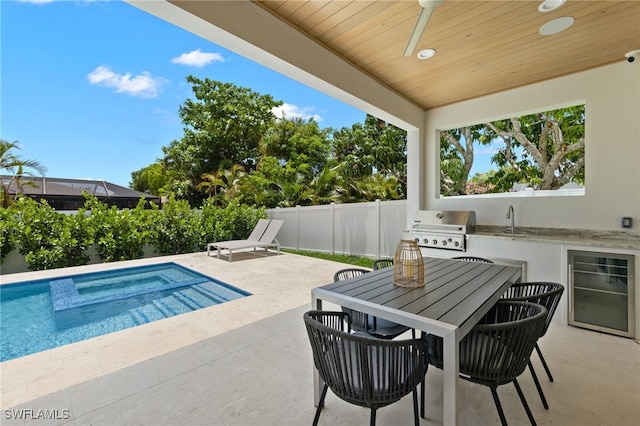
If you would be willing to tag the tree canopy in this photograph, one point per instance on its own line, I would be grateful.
(223, 125)
(544, 150)
(234, 148)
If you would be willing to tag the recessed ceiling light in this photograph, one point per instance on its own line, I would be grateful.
(549, 5)
(557, 25)
(426, 53)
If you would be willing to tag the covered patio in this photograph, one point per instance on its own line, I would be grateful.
(248, 362)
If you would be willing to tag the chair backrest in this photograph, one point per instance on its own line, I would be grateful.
(271, 231)
(547, 294)
(498, 348)
(473, 259)
(259, 229)
(362, 370)
(382, 263)
(345, 274)
(359, 320)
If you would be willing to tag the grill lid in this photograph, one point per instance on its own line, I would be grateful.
(454, 221)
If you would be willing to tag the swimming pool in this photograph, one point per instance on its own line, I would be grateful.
(44, 314)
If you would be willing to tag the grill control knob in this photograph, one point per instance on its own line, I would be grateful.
(435, 242)
(417, 240)
(444, 243)
(457, 244)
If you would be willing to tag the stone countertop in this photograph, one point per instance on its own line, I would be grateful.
(583, 237)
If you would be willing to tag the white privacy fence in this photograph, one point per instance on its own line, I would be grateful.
(371, 229)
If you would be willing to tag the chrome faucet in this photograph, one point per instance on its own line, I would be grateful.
(512, 215)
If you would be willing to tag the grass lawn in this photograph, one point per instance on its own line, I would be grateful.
(363, 262)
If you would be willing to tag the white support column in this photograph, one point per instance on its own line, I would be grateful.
(415, 172)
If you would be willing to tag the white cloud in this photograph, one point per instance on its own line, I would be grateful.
(293, 111)
(197, 58)
(143, 85)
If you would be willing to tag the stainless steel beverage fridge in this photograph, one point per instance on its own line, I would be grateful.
(601, 295)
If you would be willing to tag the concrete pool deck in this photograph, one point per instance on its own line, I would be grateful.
(248, 362)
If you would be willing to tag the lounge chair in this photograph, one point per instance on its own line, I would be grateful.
(263, 235)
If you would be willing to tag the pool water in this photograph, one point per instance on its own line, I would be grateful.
(40, 315)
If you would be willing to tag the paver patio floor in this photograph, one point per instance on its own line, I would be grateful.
(248, 362)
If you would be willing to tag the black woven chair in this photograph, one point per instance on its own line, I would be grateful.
(376, 327)
(548, 295)
(473, 259)
(362, 370)
(497, 350)
(345, 274)
(382, 263)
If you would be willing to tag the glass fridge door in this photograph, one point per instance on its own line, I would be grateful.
(602, 287)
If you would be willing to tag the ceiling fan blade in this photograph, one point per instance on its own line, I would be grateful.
(426, 10)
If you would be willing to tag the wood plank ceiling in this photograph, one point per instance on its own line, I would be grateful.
(482, 47)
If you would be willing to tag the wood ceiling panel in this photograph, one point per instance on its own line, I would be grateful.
(482, 47)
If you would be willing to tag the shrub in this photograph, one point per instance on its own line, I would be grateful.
(8, 223)
(119, 235)
(49, 239)
(235, 221)
(177, 230)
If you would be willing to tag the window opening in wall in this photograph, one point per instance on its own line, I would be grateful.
(525, 155)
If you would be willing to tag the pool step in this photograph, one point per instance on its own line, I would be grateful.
(65, 294)
(194, 299)
(219, 292)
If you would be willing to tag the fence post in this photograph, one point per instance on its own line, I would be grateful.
(378, 226)
(298, 227)
(333, 228)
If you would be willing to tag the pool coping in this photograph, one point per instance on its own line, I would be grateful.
(274, 281)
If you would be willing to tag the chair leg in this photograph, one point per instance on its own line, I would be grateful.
(537, 382)
(422, 389)
(544, 363)
(416, 421)
(320, 404)
(496, 400)
(524, 402)
(373, 417)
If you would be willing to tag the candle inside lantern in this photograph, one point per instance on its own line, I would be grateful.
(408, 269)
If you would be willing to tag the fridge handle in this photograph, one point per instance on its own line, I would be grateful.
(570, 295)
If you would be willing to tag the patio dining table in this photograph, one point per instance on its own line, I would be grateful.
(454, 298)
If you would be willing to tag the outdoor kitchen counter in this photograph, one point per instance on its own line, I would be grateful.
(583, 237)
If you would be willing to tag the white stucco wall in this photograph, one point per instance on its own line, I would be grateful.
(612, 148)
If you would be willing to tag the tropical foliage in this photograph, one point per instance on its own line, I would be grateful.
(14, 165)
(234, 149)
(48, 239)
(544, 150)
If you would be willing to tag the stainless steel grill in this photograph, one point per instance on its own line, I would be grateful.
(444, 229)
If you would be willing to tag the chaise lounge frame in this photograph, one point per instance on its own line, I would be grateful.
(263, 235)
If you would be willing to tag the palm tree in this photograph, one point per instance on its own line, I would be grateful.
(224, 184)
(14, 165)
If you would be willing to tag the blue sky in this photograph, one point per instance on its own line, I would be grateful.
(91, 89)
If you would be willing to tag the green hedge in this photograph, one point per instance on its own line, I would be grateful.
(49, 239)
